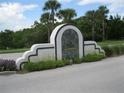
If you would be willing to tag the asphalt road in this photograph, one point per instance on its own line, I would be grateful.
(106, 76)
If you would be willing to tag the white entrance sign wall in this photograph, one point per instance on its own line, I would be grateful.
(91, 47)
(66, 42)
(56, 38)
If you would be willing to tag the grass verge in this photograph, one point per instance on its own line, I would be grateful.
(13, 51)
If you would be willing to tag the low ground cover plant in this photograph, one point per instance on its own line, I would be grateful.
(7, 65)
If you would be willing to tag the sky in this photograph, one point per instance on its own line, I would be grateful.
(19, 14)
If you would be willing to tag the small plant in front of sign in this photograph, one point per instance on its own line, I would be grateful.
(7, 65)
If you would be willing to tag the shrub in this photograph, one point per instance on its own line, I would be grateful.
(114, 50)
(92, 57)
(121, 48)
(7, 65)
(108, 51)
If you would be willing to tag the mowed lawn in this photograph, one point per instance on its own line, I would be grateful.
(13, 50)
(102, 44)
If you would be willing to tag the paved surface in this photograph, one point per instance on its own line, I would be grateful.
(12, 56)
(106, 76)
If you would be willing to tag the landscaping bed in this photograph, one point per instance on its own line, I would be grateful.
(51, 64)
(111, 48)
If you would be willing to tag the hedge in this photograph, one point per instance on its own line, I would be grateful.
(114, 50)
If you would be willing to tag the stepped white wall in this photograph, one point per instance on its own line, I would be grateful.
(53, 50)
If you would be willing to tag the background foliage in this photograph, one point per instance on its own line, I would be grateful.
(94, 25)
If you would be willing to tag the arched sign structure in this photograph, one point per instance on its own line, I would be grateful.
(66, 42)
(67, 39)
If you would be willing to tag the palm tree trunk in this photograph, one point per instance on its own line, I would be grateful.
(103, 29)
(93, 27)
(48, 35)
(93, 33)
(52, 13)
(52, 17)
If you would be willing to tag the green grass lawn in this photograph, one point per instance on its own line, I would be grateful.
(111, 43)
(13, 50)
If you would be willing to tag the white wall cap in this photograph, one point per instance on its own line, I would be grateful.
(52, 37)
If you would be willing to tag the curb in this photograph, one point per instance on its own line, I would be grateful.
(7, 72)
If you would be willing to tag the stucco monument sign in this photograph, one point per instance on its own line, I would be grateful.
(66, 42)
(70, 44)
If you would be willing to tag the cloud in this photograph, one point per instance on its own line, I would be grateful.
(12, 15)
(65, 1)
(85, 2)
(115, 6)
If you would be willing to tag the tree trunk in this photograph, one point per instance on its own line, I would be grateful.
(103, 29)
(93, 33)
(48, 35)
(52, 16)
(52, 13)
(93, 27)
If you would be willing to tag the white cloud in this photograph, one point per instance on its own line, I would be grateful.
(65, 1)
(84, 2)
(113, 5)
(12, 15)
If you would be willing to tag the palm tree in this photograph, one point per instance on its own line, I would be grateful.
(67, 14)
(53, 6)
(35, 24)
(102, 16)
(46, 20)
(91, 17)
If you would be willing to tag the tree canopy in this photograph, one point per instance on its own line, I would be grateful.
(95, 25)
